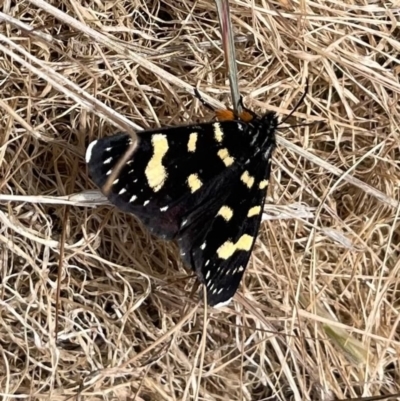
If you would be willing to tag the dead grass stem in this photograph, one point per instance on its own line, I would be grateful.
(317, 315)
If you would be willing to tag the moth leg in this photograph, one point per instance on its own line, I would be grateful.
(251, 112)
(241, 103)
(202, 101)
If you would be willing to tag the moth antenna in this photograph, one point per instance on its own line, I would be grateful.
(303, 96)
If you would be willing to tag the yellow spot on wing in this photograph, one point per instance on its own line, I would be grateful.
(224, 156)
(225, 212)
(156, 173)
(192, 142)
(218, 134)
(228, 248)
(247, 179)
(263, 184)
(194, 182)
(254, 211)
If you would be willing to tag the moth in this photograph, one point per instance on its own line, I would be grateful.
(203, 185)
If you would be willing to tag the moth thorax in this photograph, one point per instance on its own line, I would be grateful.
(268, 150)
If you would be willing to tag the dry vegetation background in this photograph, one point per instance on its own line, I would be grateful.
(317, 315)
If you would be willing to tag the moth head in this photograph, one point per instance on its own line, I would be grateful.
(270, 119)
(267, 125)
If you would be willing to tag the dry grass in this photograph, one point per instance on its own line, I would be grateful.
(317, 315)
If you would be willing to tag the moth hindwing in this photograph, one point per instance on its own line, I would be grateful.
(203, 185)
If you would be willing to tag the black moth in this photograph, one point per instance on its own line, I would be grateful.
(203, 185)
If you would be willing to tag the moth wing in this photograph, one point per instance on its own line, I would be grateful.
(219, 248)
(173, 172)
